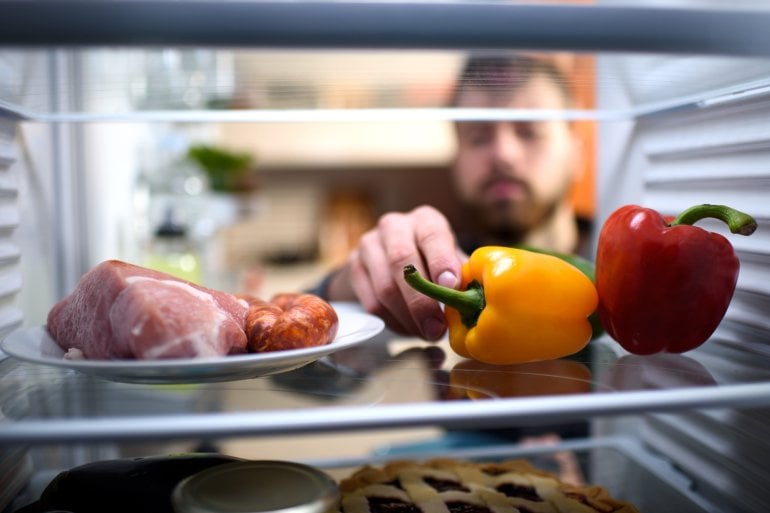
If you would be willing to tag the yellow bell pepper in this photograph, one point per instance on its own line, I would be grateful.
(514, 306)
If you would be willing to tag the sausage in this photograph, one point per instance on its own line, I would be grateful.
(290, 321)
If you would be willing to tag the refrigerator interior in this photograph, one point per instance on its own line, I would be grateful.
(83, 126)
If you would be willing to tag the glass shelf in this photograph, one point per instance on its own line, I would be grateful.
(265, 87)
(387, 383)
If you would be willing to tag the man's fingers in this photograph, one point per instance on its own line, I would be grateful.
(376, 287)
(422, 238)
(438, 246)
(400, 238)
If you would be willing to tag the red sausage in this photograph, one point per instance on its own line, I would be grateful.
(290, 321)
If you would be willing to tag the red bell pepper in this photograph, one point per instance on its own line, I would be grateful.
(665, 286)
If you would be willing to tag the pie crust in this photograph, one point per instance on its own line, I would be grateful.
(455, 486)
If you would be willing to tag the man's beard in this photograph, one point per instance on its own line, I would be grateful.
(508, 221)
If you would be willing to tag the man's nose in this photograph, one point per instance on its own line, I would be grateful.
(507, 147)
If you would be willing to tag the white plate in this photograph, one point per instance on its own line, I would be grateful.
(36, 345)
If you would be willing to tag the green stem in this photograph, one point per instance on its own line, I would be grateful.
(469, 302)
(737, 221)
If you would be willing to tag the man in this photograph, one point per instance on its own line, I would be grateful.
(512, 179)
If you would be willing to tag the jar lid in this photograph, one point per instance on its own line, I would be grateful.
(256, 487)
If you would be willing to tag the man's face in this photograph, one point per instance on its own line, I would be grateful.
(514, 174)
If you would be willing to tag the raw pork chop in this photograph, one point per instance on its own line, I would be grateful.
(119, 310)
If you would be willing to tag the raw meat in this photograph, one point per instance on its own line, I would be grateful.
(119, 310)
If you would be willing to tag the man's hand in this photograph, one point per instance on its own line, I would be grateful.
(373, 274)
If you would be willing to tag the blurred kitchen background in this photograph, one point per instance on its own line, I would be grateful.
(286, 159)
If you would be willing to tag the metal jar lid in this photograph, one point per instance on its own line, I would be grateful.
(256, 487)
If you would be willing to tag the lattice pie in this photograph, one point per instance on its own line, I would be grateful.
(452, 486)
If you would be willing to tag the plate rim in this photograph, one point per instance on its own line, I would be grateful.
(138, 368)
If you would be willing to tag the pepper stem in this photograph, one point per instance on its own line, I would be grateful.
(737, 221)
(469, 303)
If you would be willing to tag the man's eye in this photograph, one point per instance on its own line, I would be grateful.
(478, 135)
(479, 139)
(528, 131)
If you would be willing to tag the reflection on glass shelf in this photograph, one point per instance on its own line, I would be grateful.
(656, 372)
(369, 374)
(475, 380)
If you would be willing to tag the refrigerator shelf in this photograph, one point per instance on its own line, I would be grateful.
(387, 384)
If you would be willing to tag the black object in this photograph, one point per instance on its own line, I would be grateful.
(126, 485)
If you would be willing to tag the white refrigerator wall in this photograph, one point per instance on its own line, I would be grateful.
(717, 151)
(27, 228)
